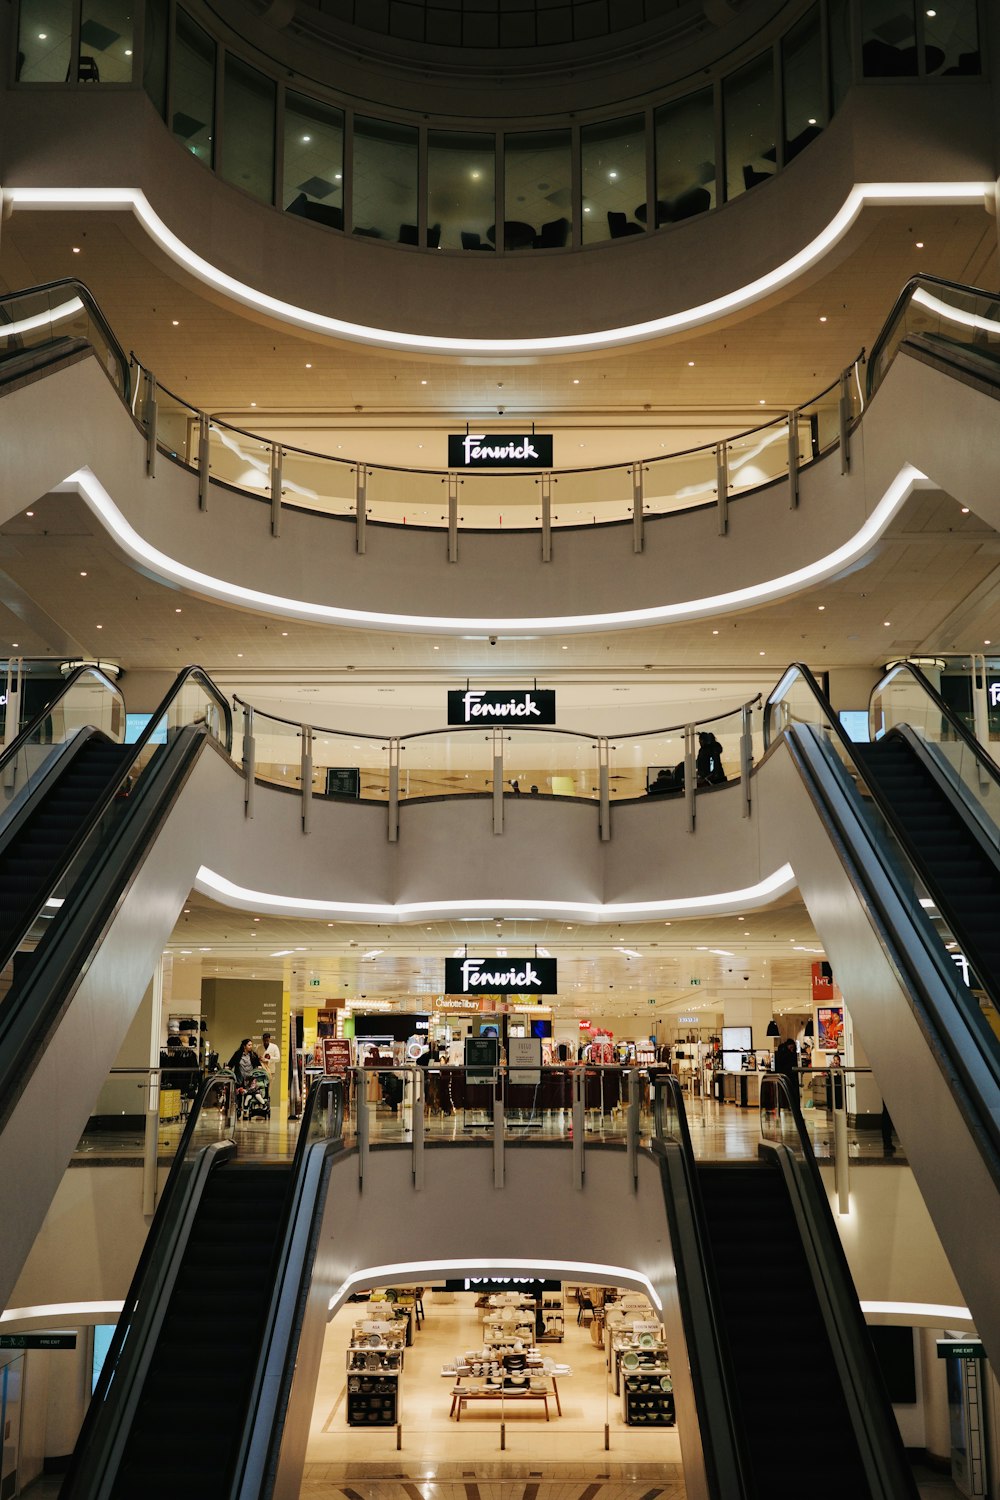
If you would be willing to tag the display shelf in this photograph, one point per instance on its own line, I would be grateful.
(644, 1401)
(553, 1318)
(365, 1359)
(651, 1361)
(372, 1400)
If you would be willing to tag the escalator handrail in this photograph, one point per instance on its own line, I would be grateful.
(30, 1006)
(121, 782)
(86, 296)
(16, 745)
(962, 1051)
(665, 1083)
(102, 1419)
(962, 731)
(275, 1366)
(899, 307)
(876, 1434)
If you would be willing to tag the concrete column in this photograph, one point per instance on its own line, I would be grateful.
(752, 1011)
(934, 1392)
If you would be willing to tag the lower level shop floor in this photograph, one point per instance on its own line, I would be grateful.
(430, 1438)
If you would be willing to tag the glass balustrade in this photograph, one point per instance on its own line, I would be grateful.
(549, 763)
(681, 481)
(945, 318)
(350, 765)
(314, 481)
(89, 699)
(446, 763)
(277, 750)
(636, 761)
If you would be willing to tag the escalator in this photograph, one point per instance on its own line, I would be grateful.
(192, 1395)
(90, 891)
(774, 1330)
(896, 850)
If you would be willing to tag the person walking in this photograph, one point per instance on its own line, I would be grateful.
(708, 764)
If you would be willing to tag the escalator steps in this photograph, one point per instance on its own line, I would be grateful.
(199, 1382)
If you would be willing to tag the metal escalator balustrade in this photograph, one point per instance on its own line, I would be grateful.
(64, 830)
(42, 324)
(193, 1387)
(783, 1337)
(947, 318)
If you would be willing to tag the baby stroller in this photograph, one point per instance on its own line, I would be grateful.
(255, 1096)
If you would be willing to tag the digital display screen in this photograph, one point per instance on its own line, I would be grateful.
(737, 1036)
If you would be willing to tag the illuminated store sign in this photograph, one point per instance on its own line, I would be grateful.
(474, 706)
(519, 976)
(499, 450)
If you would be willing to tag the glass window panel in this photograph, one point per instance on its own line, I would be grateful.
(888, 38)
(105, 41)
(385, 180)
(461, 201)
(154, 60)
(841, 70)
(313, 183)
(614, 178)
(248, 134)
(802, 67)
(43, 43)
(538, 213)
(951, 38)
(748, 115)
(194, 88)
(685, 158)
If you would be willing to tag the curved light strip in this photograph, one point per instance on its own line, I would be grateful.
(170, 570)
(302, 317)
(61, 1310)
(209, 883)
(400, 1271)
(940, 1311)
(955, 314)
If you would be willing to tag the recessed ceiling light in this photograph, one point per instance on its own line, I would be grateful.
(128, 51)
(612, 175)
(83, 575)
(76, 249)
(308, 366)
(565, 648)
(886, 622)
(985, 643)
(715, 632)
(760, 653)
(176, 322)
(690, 364)
(43, 36)
(761, 402)
(177, 611)
(822, 317)
(576, 382)
(423, 382)
(436, 648)
(932, 14)
(98, 627)
(29, 512)
(253, 403)
(17, 643)
(821, 606)
(239, 653)
(919, 244)
(965, 510)
(306, 139)
(811, 120)
(284, 632)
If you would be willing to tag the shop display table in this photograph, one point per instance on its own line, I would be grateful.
(462, 1394)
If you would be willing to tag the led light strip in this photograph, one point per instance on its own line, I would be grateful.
(242, 897)
(166, 569)
(942, 1312)
(89, 1311)
(489, 1265)
(134, 199)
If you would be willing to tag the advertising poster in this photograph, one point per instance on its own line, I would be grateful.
(524, 1059)
(336, 1054)
(830, 1028)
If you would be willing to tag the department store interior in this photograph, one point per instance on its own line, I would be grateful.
(499, 721)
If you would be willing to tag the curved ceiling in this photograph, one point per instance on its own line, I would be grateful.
(509, 24)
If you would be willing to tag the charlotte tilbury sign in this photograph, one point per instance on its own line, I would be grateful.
(499, 450)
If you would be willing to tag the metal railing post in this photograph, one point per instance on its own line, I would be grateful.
(746, 756)
(204, 459)
(841, 1161)
(150, 417)
(722, 486)
(418, 1076)
(793, 459)
(604, 788)
(638, 514)
(151, 1141)
(498, 781)
(363, 1122)
(632, 1126)
(579, 1126)
(689, 775)
(393, 827)
(453, 518)
(498, 1158)
(306, 775)
(249, 760)
(546, 483)
(360, 507)
(843, 418)
(275, 489)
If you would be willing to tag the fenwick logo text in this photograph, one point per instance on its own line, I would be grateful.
(523, 707)
(474, 976)
(473, 442)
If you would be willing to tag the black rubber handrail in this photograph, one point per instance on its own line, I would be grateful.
(899, 307)
(16, 745)
(86, 296)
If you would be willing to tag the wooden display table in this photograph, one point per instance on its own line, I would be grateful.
(461, 1395)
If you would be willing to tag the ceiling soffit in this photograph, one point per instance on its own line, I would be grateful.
(543, 59)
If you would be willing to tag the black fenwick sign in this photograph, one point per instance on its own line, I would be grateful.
(499, 450)
(500, 976)
(471, 706)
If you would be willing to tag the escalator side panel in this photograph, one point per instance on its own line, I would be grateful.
(45, 1122)
(920, 1083)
